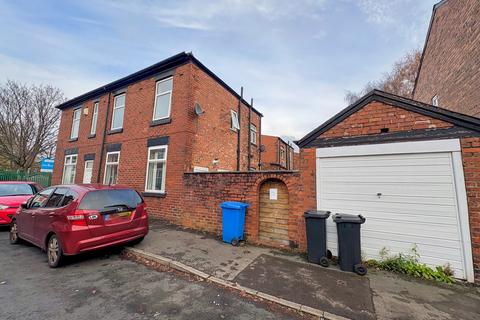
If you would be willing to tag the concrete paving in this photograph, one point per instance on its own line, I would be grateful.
(290, 277)
(344, 294)
(102, 286)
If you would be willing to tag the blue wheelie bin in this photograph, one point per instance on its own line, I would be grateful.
(233, 221)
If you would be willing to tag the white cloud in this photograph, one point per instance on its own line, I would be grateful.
(204, 15)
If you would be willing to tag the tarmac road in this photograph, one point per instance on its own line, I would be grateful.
(103, 286)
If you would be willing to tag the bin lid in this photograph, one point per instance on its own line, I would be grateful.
(233, 205)
(348, 218)
(319, 214)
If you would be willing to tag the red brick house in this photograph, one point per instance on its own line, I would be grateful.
(449, 73)
(410, 168)
(147, 129)
(277, 154)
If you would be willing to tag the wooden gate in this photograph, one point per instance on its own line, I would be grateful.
(274, 209)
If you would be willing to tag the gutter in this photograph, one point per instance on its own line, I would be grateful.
(104, 137)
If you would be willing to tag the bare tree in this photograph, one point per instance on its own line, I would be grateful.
(399, 81)
(28, 122)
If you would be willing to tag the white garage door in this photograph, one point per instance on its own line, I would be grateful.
(409, 199)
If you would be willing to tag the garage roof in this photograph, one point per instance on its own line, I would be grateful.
(458, 119)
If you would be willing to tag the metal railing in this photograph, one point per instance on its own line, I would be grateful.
(43, 178)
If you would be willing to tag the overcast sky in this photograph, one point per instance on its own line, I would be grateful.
(295, 58)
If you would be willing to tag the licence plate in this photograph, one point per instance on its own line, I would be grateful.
(110, 217)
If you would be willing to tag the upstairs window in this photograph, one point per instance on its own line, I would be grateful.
(93, 129)
(235, 123)
(163, 99)
(253, 134)
(75, 123)
(69, 169)
(118, 112)
(111, 168)
(435, 101)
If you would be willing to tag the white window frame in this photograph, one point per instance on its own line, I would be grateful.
(93, 128)
(70, 156)
(115, 108)
(235, 124)
(435, 100)
(85, 170)
(111, 163)
(253, 134)
(165, 147)
(76, 123)
(162, 94)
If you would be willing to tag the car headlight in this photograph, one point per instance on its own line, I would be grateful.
(3, 207)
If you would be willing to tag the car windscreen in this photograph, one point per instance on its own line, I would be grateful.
(102, 199)
(15, 189)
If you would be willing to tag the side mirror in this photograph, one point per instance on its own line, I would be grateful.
(24, 205)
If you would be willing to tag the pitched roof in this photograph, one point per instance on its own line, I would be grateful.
(459, 119)
(164, 65)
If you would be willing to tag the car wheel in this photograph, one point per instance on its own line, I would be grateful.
(324, 262)
(54, 252)
(14, 239)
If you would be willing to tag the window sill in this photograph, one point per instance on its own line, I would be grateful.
(115, 131)
(158, 122)
(154, 194)
(91, 136)
(73, 140)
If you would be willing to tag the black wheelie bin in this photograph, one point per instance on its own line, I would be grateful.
(349, 248)
(315, 222)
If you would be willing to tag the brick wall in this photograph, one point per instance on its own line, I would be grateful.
(271, 156)
(471, 167)
(377, 115)
(214, 138)
(450, 67)
(204, 192)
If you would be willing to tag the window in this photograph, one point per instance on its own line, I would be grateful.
(163, 99)
(68, 198)
(435, 101)
(56, 198)
(87, 173)
(75, 123)
(40, 199)
(282, 153)
(111, 168)
(101, 199)
(93, 129)
(69, 168)
(16, 189)
(157, 161)
(235, 123)
(118, 111)
(253, 134)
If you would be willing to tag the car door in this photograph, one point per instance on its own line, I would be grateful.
(46, 215)
(25, 216)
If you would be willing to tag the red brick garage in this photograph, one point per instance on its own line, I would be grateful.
(411, 168)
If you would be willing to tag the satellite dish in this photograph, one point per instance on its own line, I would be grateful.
(198, 109)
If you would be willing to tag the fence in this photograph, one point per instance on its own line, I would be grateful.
(43, 178)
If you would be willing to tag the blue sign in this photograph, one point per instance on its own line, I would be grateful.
(46, 165)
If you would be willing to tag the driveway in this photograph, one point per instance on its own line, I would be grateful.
(103, 286)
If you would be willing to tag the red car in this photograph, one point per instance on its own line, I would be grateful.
(12, 195)
(71, 219)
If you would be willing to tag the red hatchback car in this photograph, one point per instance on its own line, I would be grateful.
(12, 195)
(71, 219)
